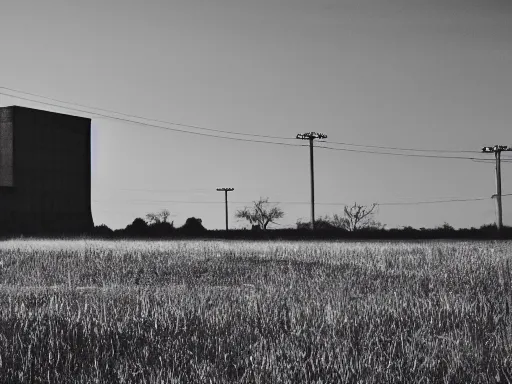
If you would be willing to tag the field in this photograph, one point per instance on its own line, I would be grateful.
(87, 311)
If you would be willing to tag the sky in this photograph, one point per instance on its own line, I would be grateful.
(399, 73)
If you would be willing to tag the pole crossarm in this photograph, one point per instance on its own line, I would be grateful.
(311, 136)
(497, 148)
(225, 189)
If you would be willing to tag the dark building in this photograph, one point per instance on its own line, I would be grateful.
(45, 172)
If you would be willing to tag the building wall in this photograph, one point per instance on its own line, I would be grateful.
(6, 147)
(51, 180)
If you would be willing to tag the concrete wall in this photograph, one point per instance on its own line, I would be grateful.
(51, 188)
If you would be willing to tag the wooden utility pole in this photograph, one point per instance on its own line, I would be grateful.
(497, 149)
(311, 136)
(226, 190)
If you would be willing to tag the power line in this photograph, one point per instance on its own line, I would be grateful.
(400, 148)
(163, 201)
(417, 202)
(400, 154)
(305, 202)
(248, 202)
(220, 131)
(153, 125)
(434, 201)
(147, 118)
(492, 161)
(238, 139)
(224, 131)
(158, 190)
(202, 202)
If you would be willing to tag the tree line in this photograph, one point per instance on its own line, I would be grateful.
(355, 222)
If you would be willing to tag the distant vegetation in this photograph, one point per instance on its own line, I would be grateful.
(357, 222)
(155, 225)
(325, 231)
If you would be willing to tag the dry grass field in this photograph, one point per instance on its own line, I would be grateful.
(87, 311)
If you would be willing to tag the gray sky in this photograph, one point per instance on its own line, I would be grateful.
(407, 73)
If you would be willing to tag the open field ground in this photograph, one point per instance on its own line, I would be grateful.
(240, 312)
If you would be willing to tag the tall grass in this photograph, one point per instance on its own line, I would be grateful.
(242, 312)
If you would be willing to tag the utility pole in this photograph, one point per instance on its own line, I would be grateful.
(311, 136)
(497, 149)
(226, 190)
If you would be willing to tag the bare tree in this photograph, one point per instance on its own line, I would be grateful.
(157, 218)
(152, 218)
(261, 214)
(164, 215)
(356, 217)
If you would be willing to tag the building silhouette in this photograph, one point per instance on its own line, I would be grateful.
(45, 172)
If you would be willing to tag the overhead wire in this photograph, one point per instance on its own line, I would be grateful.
(203, 202)
(154, 125)
(218, 130)
(399, 148)
(492, 161)
(143, 201)
(247, 140)
(400, 154)
(158, 190)
(149, 119)
(434, 201)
